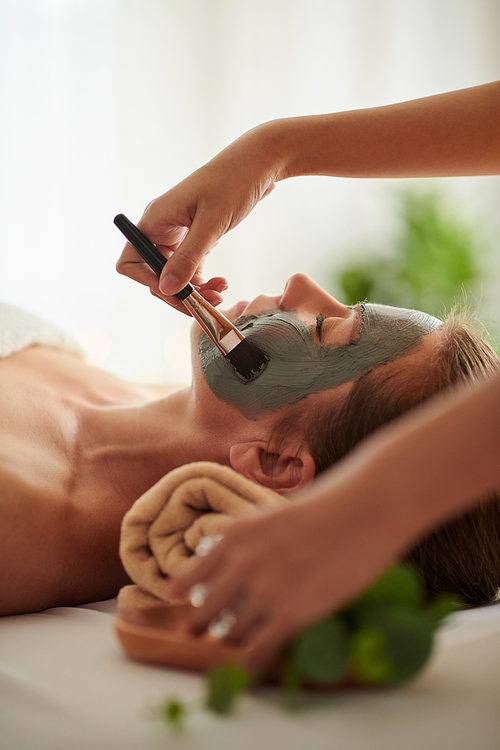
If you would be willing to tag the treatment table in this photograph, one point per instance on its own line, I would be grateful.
(65, 683)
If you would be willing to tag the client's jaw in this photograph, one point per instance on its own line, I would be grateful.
(214, 430)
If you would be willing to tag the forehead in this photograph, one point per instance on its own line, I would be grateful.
(398, 320)
(298, 366)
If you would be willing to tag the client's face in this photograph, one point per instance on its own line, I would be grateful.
(314, 343)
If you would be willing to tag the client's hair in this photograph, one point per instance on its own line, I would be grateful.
(463, 556)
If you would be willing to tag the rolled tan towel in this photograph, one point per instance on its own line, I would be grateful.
(162, 529)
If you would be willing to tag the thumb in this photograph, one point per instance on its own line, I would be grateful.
(185, 261)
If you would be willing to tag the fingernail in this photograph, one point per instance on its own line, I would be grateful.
(197, 594)
(222, 625)
(207, 543)
(169, 284)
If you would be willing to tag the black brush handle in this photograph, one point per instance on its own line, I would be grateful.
(147, 250)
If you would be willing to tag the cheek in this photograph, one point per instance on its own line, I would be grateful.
(324, 401)
(288, 377)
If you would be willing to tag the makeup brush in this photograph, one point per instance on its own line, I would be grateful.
(246, 358)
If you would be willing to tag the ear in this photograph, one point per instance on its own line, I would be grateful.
(282, 472)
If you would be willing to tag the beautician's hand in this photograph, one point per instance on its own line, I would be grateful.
(286, 570)
(131, 264)
(187, 221)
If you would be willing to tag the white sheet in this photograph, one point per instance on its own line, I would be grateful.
(65, 683)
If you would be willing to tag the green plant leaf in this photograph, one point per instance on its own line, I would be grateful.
(370, 662)
(173, 712)
(400, 650)
(224, 683)
(320, 654)
(400, 585)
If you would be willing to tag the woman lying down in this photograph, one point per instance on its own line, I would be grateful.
(78, 446)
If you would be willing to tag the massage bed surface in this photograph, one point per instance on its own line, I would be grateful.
(65, 682)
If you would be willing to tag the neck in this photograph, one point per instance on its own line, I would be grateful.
(135, 445)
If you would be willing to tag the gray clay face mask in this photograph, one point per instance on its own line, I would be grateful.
(298, 366)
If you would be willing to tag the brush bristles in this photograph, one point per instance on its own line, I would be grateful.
(248, 360)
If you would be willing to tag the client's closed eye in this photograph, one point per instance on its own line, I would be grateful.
(320, 319)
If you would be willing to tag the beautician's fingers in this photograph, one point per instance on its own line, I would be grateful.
(267, 641)
(199, 573)
(249, 619)
(210, 290)
(219, 596)
(213, 298)
(132, 265)
(204, 234)
(186, 221)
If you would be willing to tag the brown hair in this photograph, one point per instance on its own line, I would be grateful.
(463, 556)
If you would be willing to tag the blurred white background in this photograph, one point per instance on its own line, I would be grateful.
(106, 104)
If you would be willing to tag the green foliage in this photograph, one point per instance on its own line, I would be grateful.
(435, 261)
(383, 638)
(320, 654)
(224, 684)
(172, 712)
(370, 661)
(390, 645)
(399, 586)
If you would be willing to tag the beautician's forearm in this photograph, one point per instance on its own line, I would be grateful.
(456, 133)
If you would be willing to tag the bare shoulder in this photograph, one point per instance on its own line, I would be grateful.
(50, 552)
(59, 521)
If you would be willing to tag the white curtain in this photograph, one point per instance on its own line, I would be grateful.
(105, 104)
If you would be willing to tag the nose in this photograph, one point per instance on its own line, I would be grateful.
(302, 294)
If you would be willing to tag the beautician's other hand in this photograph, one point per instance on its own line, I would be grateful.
(286, 570)
(187, 221)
